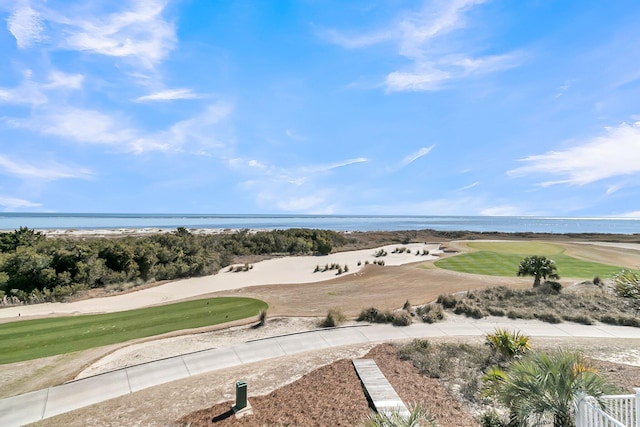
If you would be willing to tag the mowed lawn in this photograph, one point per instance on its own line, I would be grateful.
(32, 339)
(503, 258)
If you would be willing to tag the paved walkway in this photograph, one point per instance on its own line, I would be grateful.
(41, 404)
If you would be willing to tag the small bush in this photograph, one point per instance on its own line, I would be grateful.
(578, 318)
(431, 313)
(597, 281)
(262, 318)
(447, 301)
(508, 344)
(550, 288)
(609, 319)
(401, 319)
(548, 317)
(491, 419)
(495, 312)
(374, 315)
(628, 321)
(469, 311)
(334, 318)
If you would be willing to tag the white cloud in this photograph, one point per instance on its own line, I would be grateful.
(58, 79)
(26, 25)
(616, 153)
(421, 38)
(96, 127)
(12, 203)
(353, 41)
(201, 130)
(169, 95)
(468, 187)
(47, 172)
(415, 156)
(139, 32)
(33, 93)
(87, 126)
(342, 164)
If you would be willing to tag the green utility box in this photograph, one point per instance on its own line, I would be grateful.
(241, 395)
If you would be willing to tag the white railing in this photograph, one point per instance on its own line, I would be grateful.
(615, 411)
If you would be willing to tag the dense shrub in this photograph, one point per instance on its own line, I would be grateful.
(431, 313)
(374, 315)
(34, 268)
(447, 301)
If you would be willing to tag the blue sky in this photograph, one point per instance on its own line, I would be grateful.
(452, 107)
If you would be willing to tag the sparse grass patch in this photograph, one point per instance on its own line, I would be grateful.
(540, 304)
(334, 318)
(459, 365)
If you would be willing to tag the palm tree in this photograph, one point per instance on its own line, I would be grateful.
(538, 267)
(544, 384)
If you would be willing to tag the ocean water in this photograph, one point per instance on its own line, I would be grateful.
(71, 221)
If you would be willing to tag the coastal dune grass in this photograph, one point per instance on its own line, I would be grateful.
(502, 259)
(33, 339)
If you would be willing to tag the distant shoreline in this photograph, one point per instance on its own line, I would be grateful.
(382, 236)
(114, 223)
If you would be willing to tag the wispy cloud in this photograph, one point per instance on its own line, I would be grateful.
(421, 38)
(616, 153)
(13, 203)
(26, 26)
(293, 189)
(31, 92)
(138, 31)
(87, 126)
(201, 131)
(47, 172)
(353, 41)
(81, 125)
(415, 156)
(469, 187)
(169, 95)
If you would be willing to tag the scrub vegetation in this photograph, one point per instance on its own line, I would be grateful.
(34, 268)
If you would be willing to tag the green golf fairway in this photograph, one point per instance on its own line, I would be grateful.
(32, 339)
(503, 258)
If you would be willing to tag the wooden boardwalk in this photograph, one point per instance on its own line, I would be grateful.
(382, 395)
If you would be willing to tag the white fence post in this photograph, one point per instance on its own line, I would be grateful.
(637, 409)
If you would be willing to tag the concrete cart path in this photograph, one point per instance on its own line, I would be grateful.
(41, 404)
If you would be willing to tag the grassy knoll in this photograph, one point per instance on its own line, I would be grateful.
(32, 339)
(502, 259)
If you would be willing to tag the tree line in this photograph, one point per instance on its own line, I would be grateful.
(36, 268)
